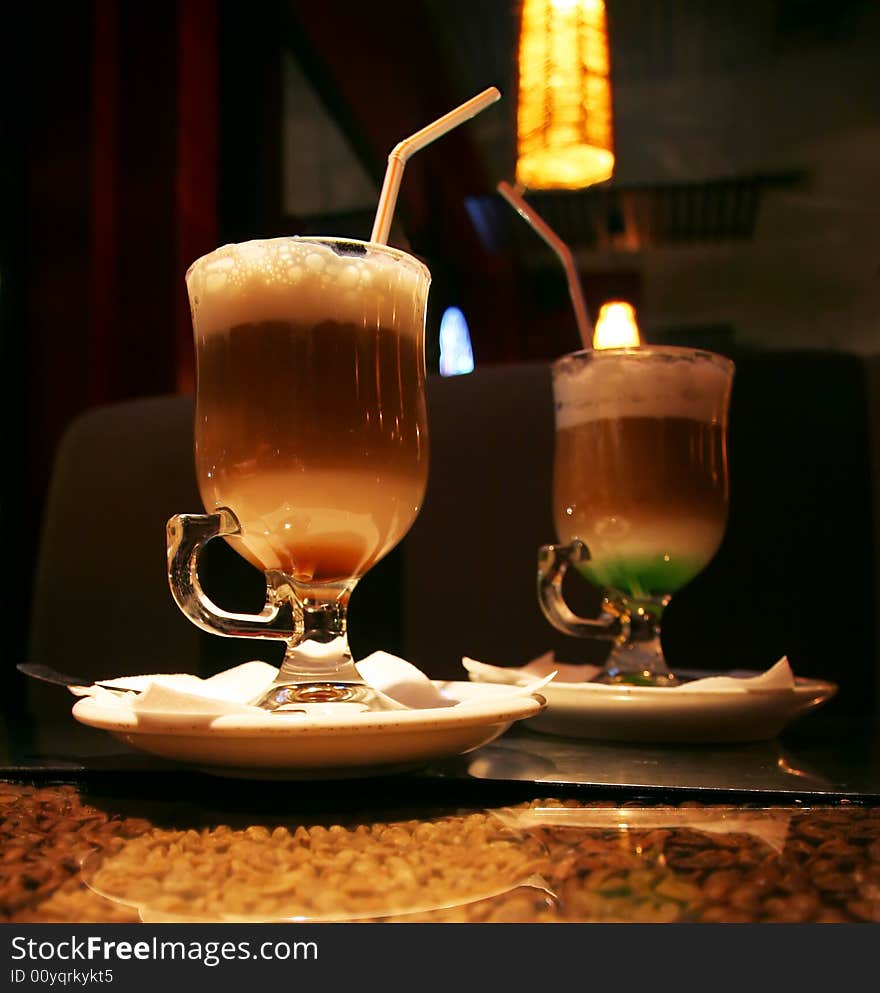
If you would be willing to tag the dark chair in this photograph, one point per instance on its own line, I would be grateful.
(100, 601)
(470, 559)
(796, 573)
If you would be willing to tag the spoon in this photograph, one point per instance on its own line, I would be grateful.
(47, 674)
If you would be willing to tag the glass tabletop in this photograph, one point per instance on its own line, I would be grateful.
(165, 851)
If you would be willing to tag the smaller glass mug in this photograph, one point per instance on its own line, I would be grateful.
(640, 492)
(311, 443)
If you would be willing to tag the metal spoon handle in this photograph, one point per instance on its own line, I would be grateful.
(47, 674)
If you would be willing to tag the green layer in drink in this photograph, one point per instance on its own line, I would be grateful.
(643, 577)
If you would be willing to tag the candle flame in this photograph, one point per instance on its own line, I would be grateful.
(616, 326)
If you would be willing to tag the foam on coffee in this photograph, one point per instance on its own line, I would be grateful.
(269, 280)
(618, 383)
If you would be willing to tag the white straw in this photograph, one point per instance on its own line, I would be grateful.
(402, 151)
(585, 327)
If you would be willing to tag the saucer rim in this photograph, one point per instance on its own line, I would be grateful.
(803, 686)
(510, 704)
(642, 714)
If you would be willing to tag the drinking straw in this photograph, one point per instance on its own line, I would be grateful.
(585, 327)
(402, 151)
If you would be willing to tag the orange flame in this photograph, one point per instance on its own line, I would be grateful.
(616, 326)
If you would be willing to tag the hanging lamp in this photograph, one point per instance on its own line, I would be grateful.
(564, 126)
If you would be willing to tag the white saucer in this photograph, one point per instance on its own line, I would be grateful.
(660, 714)
(289, 746)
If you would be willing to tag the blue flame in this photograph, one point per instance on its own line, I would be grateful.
(456, 354)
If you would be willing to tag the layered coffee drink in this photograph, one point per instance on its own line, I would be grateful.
(310, 416)
(640, 470)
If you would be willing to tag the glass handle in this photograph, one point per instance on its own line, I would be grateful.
(186, 535)
(553, 563)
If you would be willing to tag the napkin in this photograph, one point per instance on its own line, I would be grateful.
(230, 692)
(777, 677)
(538, 668)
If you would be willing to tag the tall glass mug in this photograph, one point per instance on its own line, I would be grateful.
(311, 441)
(639, 492)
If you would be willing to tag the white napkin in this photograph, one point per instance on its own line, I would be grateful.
(230, 692)
(777, 677)
(543, 666)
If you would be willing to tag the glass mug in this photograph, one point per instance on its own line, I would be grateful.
(311, 443)
(640, 492)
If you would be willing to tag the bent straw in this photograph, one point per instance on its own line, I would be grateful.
(585, 327)
(404, 149)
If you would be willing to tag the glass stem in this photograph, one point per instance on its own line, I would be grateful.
(638, 657)
(317, 666)
(319, 651)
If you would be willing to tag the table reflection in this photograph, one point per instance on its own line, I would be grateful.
(317, 872)
(547, 860)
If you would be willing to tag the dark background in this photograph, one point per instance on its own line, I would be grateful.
(742, 217)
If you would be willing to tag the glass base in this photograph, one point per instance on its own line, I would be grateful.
(636, 677)
(294, 697)
(638, 663)
(319, 670)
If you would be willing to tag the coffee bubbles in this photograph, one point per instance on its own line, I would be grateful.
(267, 280)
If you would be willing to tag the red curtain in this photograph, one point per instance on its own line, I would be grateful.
(118, 166)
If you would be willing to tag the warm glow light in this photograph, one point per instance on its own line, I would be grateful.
(563, 124)
(616, 326)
